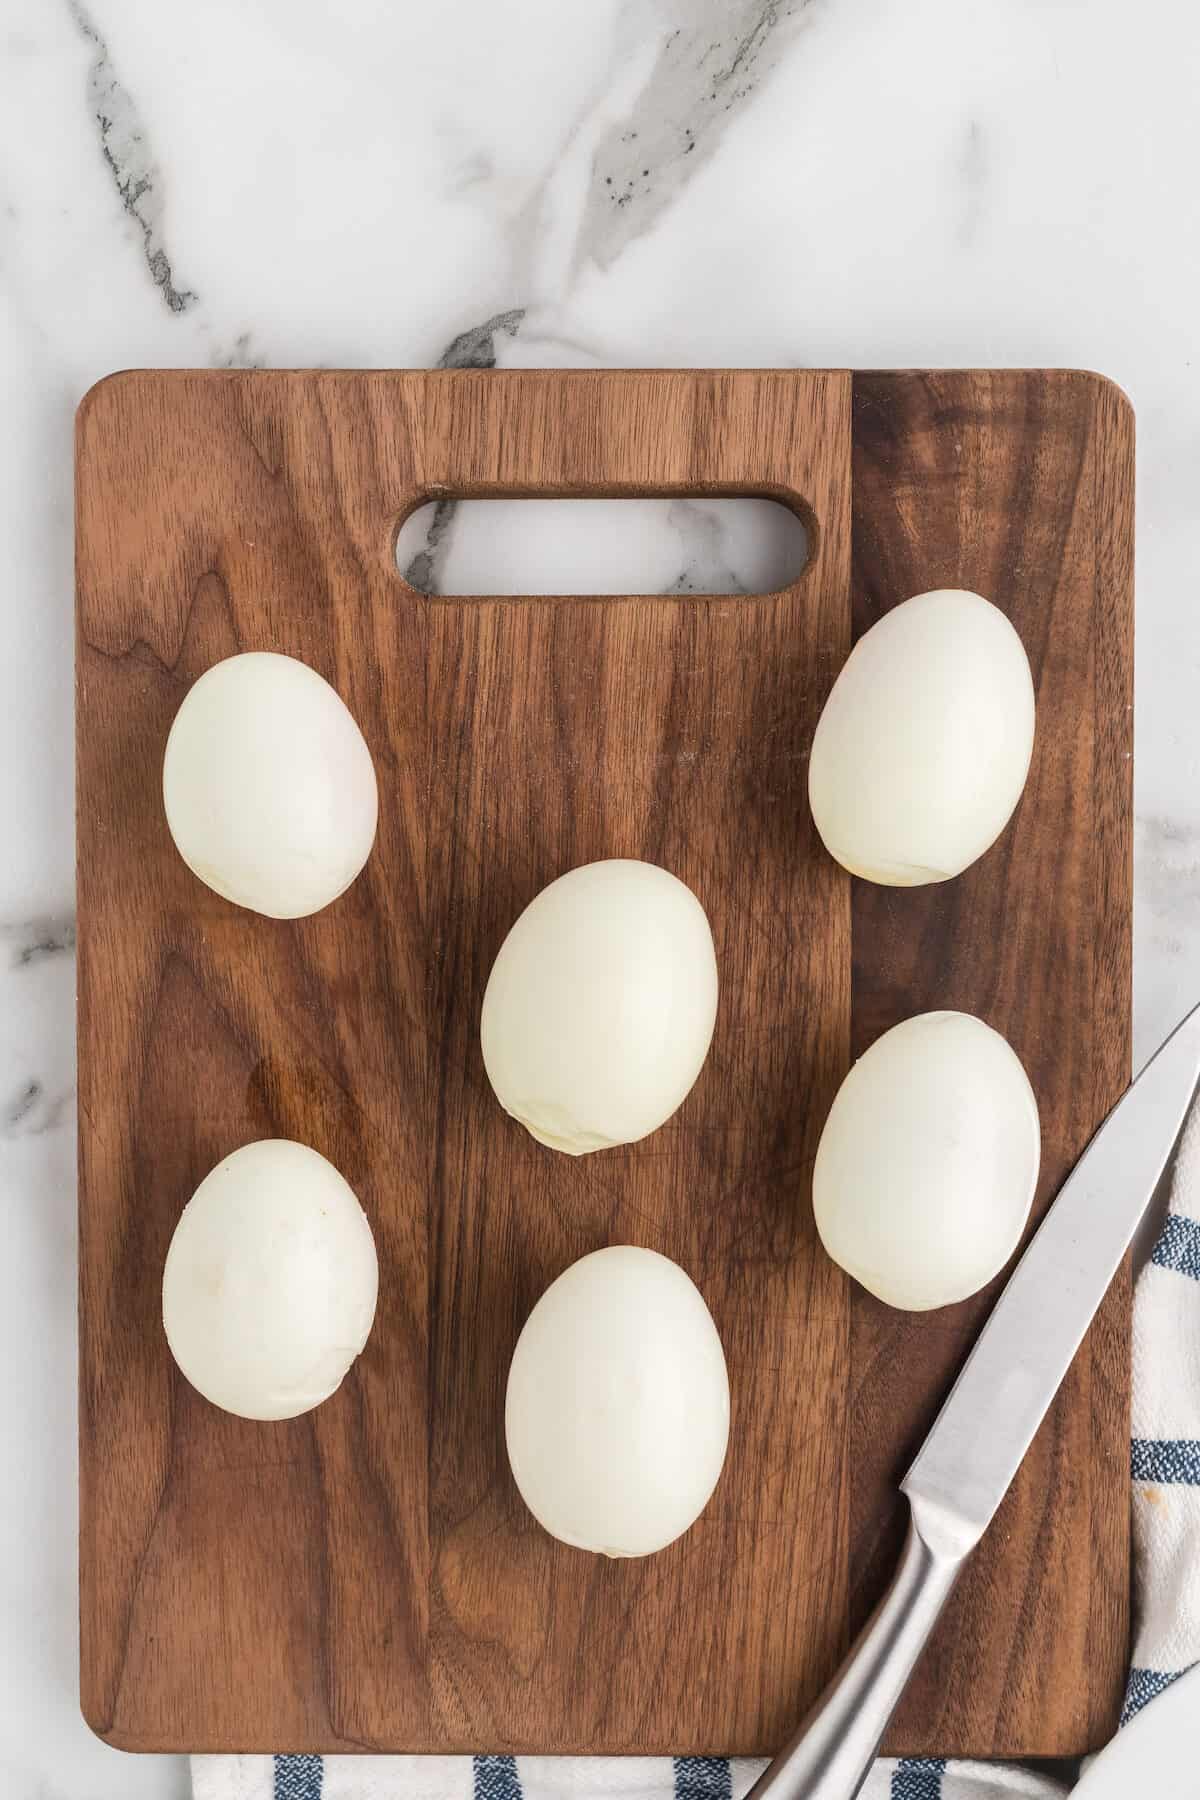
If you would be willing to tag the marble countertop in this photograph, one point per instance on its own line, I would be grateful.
(827, 182)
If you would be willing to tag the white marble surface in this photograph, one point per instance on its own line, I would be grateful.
(628, 181)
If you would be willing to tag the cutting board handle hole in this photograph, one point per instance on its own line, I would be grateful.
(668, 544)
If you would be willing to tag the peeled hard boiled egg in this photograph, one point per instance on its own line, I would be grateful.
(268, 786)
(928, 1162)
(600, 1006)
(617, 1414)
(270, 1281)
(924, 745)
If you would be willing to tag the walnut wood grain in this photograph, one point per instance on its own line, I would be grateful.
(1018, 485)
(366, 1577)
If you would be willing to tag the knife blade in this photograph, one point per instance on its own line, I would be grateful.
(990, 1417)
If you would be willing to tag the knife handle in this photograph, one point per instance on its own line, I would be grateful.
(831, 1754)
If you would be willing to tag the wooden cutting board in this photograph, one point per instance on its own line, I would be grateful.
(366, 1578)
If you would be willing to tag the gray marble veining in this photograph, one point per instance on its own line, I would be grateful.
(127, 152)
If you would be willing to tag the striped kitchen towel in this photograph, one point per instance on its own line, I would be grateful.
(1165, 1469)
(1165, 1453)
(579, 1778)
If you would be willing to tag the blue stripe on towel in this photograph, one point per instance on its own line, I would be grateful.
(1179, 1246)
(1165, 1460)
(918, 1778)
(298, 1777)
(702, 1778)
(1144, 1685)
(496, 1778)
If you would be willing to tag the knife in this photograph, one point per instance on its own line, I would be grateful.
(964, 1467)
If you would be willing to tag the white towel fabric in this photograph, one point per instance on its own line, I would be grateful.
(579, 1778)
(1165, 1469)
(1165, 1453)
